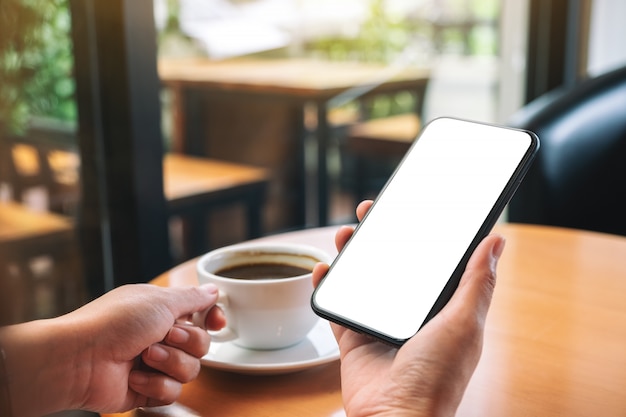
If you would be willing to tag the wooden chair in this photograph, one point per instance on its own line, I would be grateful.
(382, 140)
(45, 166)
(194, 186)
(39, 264)
(388, 136)
(373, 146)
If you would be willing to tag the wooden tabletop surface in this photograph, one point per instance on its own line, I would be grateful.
(292, 82)
(185, 175)
(310, 79)
(19, 223)
(554, 343)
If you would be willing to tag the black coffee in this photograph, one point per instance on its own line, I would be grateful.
(262, 271)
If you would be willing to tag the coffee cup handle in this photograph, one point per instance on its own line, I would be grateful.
(224, 335)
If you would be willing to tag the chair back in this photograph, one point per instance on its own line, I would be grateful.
(39, 164)
(578, 179)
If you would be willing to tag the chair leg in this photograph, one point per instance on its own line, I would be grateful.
(70, 290)
(254, 215)
(360, 179)
(194, 225)
(10, 292)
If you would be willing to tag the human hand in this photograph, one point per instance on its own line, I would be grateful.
(141, 348)
(132, 347)
(429, 374)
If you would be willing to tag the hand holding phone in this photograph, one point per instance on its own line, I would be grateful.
(429, 369)
(406, 257)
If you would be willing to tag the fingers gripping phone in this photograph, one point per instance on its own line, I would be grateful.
(406, 257)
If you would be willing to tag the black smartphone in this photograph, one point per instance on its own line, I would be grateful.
(406, 257)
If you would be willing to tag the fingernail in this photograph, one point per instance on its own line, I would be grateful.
(498, 248)
(157, 353)
(211, 288)
(177, 335)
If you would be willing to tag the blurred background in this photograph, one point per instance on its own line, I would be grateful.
(137, 134)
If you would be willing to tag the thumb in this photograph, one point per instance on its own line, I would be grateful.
(479, 279)
(185, 301)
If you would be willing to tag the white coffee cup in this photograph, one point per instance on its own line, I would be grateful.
(267, 311)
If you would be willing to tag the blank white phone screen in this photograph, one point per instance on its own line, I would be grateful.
(393, 269)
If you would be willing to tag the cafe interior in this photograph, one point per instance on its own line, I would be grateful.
(137, 135)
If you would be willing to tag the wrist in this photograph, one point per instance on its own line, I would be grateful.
(39, 367)
(394, 406)
(417, 412)
(391, 408)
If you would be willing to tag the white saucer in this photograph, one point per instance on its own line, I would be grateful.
(318, 348)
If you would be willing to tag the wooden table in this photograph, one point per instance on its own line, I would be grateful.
(26, 234)
(554, 343)
(21, 225)
(276, 82)
(196, 186)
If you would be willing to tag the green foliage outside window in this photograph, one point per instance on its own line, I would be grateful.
(380, 39)
(384, 36)
(36, 62)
